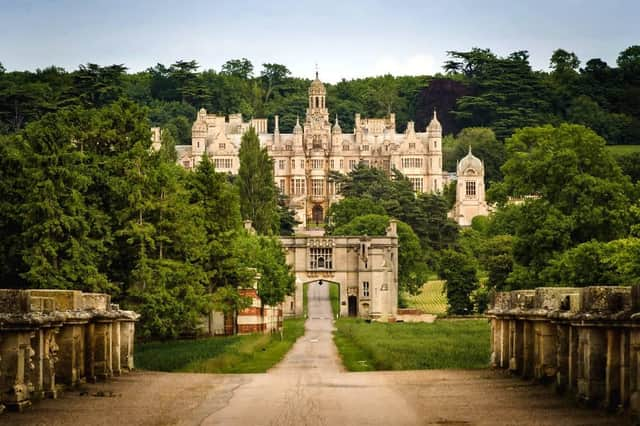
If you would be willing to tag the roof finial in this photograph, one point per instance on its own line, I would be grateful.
(435, 115)
(297, 120)
(337, 124)
(470, 150)
(317, 71)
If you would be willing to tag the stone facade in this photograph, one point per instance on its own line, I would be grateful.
(470, 196)
(584, 340)
(304, 159)
(53, 338)
(366, 269)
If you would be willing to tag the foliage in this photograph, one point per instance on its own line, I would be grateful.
(443, 344)
(459, 272)
(485, 146)
(597, 263)
(265, 254)
(258, 192)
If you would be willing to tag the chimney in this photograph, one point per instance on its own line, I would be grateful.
(392, 230)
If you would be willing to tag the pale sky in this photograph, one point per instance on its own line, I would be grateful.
(345, 38)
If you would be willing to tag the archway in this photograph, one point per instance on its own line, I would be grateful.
(317, 214)
(333, 294)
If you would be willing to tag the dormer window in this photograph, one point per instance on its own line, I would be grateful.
(222, 146)
(412, 145)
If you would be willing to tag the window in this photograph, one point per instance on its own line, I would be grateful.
(412, 163)
(186, 164)
(281, 164)
(330, 188)
(412, 145)
(221, 146)
(333, 165)
(386, 165)
(435, 144)
(223, 163)
(365, 288)
(365, 147)
(317, 164)
(281, 185)
(417, 184)
(317, 187)
(293, 164)
(341, 164)
(299, 186)
(288, 148)
(345, 147)
(320, 258)
(302, 164)
(435, 185)
(198, 144)
(470, 189)
(352, 164)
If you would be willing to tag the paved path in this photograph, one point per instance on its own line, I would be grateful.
(310, 387)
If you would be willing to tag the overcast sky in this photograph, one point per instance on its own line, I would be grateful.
(345, 38)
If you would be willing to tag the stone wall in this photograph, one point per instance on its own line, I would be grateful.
(50, 339)
(584, 340)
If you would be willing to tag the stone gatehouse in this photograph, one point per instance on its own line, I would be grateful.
(365, 268)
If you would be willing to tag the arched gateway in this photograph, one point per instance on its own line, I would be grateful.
(366, 268)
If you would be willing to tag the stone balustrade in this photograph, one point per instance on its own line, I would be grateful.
(55, 338)
(584, 340)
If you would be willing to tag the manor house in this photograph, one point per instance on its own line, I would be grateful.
(304, 159)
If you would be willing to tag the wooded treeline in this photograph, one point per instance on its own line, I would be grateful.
(478, 89)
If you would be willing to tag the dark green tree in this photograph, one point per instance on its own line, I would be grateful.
(258, 192)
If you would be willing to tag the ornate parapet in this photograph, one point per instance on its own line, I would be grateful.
(584, 340)
(51, 338)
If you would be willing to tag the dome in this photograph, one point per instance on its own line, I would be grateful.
(434, 125)
(317, 88)
(470, 161)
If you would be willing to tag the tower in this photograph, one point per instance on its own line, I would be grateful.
(469, 190)
(434, 154)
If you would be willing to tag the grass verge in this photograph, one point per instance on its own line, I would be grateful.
(255, 353)
(334, 296)
(460, 344)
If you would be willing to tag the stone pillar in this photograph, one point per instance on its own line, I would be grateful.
(544, 350)
(592, 363)
(127, 334)
(573, 357)
(563, 340)
(515, 346)
(528, 342)
(504, 343)
(612, 378)
(71, 367)
(102, 354)
(625, 371)
(51, 351)
(115, 348)
(17, 366)
(90, 352)
(36, 376)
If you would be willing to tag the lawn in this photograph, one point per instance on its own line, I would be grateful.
(254, 353)
(431, 300)
(363, 346)
(623, 149)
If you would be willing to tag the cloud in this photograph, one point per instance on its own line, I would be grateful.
(412, 65)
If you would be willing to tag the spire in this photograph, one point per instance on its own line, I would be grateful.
(470, 150)
(277, 124)
(297, 129)
(336, 126)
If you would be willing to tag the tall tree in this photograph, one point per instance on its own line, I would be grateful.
(258, 191)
